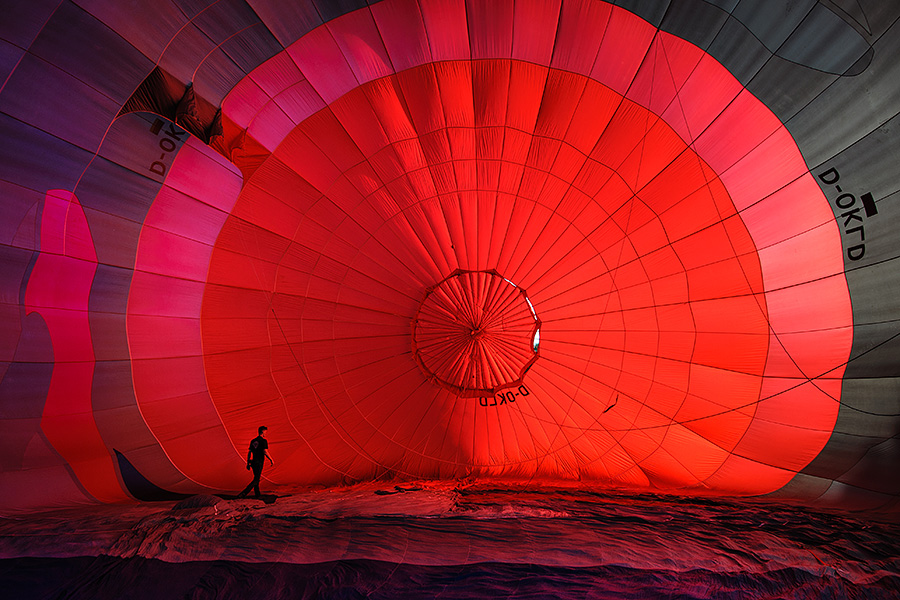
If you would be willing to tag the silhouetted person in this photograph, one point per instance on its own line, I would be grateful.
(256, 458)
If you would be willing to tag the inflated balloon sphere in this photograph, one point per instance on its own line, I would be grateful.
(633, 245)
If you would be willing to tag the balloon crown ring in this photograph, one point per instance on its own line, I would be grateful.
(475, 333)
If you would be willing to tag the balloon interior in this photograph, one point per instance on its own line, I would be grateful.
(493, 274)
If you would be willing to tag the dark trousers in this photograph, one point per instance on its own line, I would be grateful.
(254, 485)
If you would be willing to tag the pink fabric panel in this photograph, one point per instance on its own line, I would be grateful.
(668, 64)
(403, 32)
(299, 101)
(582, 27)
(58, 289)
(244, 102)
(533, 37)
(322, 63)
(448, 33)
(708, 89)
(271, 126)
(490, 28)
(742, 126)
(622, 50)
(360, 41)
(205, 175)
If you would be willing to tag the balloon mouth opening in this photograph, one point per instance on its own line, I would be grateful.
(475, 333)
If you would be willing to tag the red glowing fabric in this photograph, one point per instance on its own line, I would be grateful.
(440, 239)
(58, 290)
(675, 349)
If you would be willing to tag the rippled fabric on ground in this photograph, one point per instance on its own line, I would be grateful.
(439, 541)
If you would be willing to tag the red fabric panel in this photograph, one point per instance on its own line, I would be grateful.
(490, 82)
(419, 88)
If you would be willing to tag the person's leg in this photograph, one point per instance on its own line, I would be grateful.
(249, 486)
(257, 474)
(253, 485)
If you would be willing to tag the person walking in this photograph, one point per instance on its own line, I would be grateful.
(256, 458)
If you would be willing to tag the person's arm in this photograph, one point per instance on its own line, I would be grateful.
(249, 453)
(269, 456)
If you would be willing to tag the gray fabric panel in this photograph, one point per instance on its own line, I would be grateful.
(113, 189)
(22, 21)
(853, 10)
(802, 486)
(726, 5)
(41, 94)
(19, 224)
(772, 21)
(216, 76)
(649, 10)
(695, 21)
(242, 43)
(24, 157)
(147, 25)
(851, 107)
(786, 87)
(861, 168)
(288, 21)
(23, 392)
(79, 44)
(192, 8)
(869, 415)
(825, 42)
(252, 47)
(112, 386)
(330, 9)
(144, 143)
(14, 265)
(843, 496)
(23, 389)
(186, 52)
(878, 469)
(10, 54)
(868, 399)
(108, 335)
(115, 244)
(225, 19)
(121, 424)
(108, 304)
(841, 454)
(876, 345)
(739, 51)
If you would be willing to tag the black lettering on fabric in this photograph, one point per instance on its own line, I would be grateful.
(853, 222)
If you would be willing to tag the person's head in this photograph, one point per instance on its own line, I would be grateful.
(262, 430)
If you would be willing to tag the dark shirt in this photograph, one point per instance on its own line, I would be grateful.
(258, 449)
